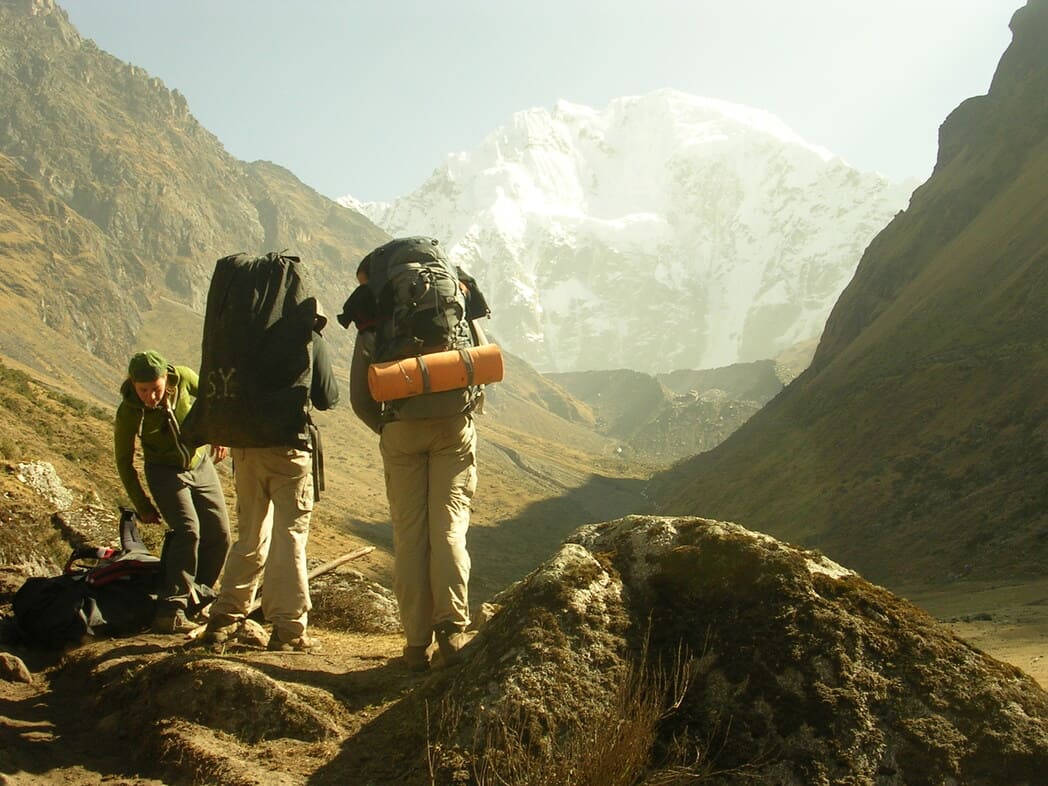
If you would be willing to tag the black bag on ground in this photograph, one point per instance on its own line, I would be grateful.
(115, 596)
(101, 591)
(256, 355)
(49, 612)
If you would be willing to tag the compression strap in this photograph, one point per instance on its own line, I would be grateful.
(426, 387)
(467, 359)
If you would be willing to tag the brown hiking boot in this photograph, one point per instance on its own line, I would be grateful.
(220, 628)
(450, 641)
(301, 643)
(172, 622)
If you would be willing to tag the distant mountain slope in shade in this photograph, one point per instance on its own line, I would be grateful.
(665, 231)
(666, 417)
(916, 445)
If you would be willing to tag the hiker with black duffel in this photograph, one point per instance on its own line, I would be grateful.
(186, 492)
(410, 306)
(264, 366)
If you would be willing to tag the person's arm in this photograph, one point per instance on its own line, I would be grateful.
(124, 430)
(323, 389)
(364, 406)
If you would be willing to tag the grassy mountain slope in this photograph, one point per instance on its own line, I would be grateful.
(75, 436)
(916, 446)
(115, 196)
(62, 296)
(114, 205)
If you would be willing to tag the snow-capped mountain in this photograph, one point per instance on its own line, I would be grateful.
(663, 232)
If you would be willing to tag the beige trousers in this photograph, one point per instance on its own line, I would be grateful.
(431, 475)
(274, 504)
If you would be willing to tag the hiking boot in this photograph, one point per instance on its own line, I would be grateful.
(171, 622)
(416, 658)
(450, 641)
(301, 643)
(220, 628)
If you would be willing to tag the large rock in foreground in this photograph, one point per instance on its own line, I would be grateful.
(789, 670)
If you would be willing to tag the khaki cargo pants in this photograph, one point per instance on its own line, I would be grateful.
(274, 504)
(431, 475)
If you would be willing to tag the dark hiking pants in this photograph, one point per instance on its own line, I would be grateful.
(194, 508)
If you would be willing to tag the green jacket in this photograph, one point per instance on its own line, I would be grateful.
(157, 430)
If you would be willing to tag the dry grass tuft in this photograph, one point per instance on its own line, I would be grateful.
(614, 747)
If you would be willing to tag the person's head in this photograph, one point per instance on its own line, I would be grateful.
(148, 374)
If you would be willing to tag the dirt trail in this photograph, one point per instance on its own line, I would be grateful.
(60, 729)
(69, 726)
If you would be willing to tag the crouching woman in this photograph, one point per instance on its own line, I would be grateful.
(185, 489)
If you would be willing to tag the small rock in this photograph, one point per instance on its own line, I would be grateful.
(252, 634)
(484, 615)
(348, 601)
(13, 669)
(982, 616)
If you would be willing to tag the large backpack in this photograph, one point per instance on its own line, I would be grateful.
(101, 591)
(256, 355)
(421, 309)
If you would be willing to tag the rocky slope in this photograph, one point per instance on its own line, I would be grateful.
(665, 231)
(113, 197)
(915, 447)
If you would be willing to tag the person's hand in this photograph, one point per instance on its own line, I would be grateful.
(219, 452)
(150, 517)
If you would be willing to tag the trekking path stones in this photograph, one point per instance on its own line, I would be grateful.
(41, 477)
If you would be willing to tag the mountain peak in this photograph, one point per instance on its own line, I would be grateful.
(663, 231)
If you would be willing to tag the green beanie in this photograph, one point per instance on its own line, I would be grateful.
(146, 366)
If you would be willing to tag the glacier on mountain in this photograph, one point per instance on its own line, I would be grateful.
(663, 232)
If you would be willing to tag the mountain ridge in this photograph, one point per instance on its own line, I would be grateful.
(152, 193)
(919, 429)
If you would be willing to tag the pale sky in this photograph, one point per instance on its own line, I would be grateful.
(367, 98)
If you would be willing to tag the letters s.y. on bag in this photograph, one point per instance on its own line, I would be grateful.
(256, 355)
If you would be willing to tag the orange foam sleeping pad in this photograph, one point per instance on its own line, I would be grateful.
(435, 372)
